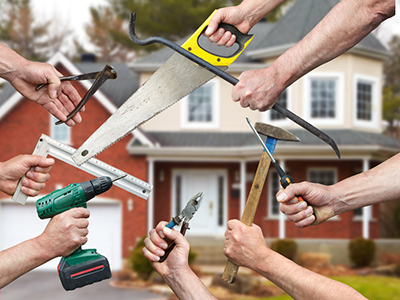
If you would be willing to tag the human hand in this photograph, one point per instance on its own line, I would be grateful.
(59, 98)
(244, 245)
(258, 89)
(66, 232)
(230, 15)
(12, 170)
(157, 242)
(320, 198)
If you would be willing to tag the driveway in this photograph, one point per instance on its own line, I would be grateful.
(40, 285)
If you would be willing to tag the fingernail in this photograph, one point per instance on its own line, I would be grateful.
(309, 211)
(302, 205)
(50, 161)
(311, 218)
(160, 253)
(161, 234)
(208, 30)
(281, 197)
(164, 246)
(25, 181)
(30, 174)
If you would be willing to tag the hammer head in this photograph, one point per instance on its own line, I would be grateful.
(275, 132)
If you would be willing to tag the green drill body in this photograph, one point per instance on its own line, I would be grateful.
(82, 267)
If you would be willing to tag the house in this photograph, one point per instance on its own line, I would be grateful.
(203, 143)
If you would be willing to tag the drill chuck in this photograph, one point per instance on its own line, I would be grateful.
(96, 186)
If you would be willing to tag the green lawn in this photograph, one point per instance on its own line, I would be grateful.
(371, 287)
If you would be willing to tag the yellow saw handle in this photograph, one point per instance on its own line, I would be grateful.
(193, 46)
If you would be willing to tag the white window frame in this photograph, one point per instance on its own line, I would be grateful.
(271, 197)
(283, 122)
(376, 101)
(54, 127)
(215, 111)
(339, 101)
(335, 180)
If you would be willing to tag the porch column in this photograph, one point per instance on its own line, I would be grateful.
(366, 210)
(242, 186)
(150, 200)
(282, 216)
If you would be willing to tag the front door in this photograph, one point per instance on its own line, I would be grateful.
(211, 217)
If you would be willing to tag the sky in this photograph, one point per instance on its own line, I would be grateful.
(73, 14)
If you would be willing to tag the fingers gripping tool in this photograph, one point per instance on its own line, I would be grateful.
(184, 217)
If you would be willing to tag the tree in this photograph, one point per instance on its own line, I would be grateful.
(391, 89)
(20, 31)
(109, 34)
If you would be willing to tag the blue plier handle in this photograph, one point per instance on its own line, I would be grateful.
(186, 215)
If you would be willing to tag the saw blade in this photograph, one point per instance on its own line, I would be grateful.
(175, 79)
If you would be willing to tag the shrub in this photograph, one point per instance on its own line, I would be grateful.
(361, 251)
(285, 247)
(139, 263)
(142, 266)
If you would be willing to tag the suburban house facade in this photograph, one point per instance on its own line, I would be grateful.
(203, 143)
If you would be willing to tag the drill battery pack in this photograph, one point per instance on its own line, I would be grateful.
(75, 272)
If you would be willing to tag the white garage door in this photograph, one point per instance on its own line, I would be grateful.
(19, 223)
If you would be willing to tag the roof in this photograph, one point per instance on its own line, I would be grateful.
(111, 94)
(273, 39)
(300, 19)
(345, 137)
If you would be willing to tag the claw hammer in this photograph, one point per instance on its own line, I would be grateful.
(273, 134)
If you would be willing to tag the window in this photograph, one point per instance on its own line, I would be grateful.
(323, 98)
(200, 107)
(322, 176)
(61, 133)
(274, 187)
(364, 101)
(282, 101)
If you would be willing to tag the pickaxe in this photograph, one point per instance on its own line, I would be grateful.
(273, 135)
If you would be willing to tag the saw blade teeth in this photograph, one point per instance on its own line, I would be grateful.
(187, 77)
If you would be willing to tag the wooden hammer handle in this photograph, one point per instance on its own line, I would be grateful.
(250, 209)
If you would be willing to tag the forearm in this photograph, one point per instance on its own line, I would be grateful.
(21, 259)
(377, 185)
(10, 61)
(187, 286)
(341, 29)
(301, 283)
(255, 10)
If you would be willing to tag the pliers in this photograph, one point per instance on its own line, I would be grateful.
(100, 77)
(186, 215)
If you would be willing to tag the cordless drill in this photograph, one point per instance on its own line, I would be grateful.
(82, 267)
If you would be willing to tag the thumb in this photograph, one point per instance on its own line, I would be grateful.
(213, 24)
(292, 191)
(37, 160)
(174, 236)
(53, 83)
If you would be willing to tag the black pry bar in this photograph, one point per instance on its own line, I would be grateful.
(229, 78)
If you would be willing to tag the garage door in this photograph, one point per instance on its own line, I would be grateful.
(19, 223)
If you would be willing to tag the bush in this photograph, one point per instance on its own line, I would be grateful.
(285, 247)
(361, 251)
(142, 266)
(139, 263)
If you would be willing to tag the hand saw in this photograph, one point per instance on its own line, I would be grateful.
(175, 79)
